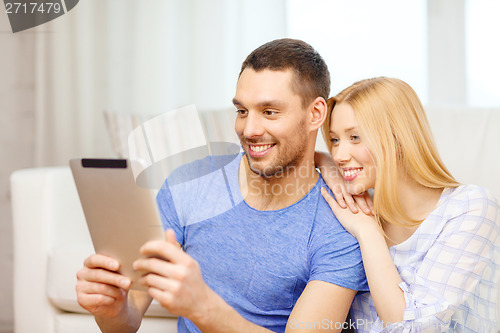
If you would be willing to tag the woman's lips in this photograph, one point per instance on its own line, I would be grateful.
(351, 173)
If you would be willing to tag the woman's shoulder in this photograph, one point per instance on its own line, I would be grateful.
(470, 192)
(471, 204)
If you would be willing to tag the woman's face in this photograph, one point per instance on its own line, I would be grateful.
(349, 153)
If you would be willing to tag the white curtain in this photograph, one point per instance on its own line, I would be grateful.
(142, 58)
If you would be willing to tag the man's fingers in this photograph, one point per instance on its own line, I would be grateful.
(159, 282)
(100, 261)
(103, 276)
(159, 267)
(164, 250)
(93, 300)
(170, 237)
(89, 288)
(165, 299)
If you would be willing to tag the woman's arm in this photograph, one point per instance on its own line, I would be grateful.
(457, 254)
(383, 277)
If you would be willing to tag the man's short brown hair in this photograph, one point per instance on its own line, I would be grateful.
(311, 79)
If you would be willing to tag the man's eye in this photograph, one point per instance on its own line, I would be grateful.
(241, 112)
(269, 112)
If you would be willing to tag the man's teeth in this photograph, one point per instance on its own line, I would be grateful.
(260, 148)
(349, 173)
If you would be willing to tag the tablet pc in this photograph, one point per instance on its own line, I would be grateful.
(121, 216)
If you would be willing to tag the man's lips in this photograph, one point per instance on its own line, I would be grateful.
(350, 174)
(259, 150)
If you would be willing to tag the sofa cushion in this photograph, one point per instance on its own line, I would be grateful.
(80, 323)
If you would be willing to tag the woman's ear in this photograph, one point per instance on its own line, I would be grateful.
(317, 113)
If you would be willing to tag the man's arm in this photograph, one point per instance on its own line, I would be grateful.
(174, 279)
(321, 307)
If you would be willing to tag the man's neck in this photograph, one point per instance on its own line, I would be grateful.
(277, 192)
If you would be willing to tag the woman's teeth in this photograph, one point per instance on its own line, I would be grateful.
(349, 173)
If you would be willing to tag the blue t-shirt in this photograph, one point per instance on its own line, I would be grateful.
(259, 262)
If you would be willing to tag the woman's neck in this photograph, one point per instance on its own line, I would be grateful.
(418, 202)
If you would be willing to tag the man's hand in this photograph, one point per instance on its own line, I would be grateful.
(174, 278)
(100, 289)
(335, 182)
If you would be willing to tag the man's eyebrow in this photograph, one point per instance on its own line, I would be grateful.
(274, 103)
(271, 103)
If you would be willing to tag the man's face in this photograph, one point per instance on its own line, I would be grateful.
(271, 122)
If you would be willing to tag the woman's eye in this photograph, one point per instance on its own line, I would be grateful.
(355, 138)
(334, 141)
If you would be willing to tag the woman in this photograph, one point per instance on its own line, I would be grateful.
(430, 248)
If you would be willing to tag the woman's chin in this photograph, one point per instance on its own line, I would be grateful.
(356, 189)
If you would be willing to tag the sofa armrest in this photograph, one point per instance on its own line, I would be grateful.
(46, 214)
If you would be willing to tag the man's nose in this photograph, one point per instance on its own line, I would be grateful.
(253, 126)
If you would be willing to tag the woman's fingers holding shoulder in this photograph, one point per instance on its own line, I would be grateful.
(330, 200)
(365, 203)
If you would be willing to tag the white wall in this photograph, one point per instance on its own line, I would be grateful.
(16, 139)
(123, 55)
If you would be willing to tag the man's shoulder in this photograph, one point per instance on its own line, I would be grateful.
(323, 211)
(202, 169)
(325, 223)
(202, 189)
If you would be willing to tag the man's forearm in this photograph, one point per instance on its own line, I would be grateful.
(220, 317)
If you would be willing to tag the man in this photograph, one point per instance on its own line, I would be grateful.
(261, 248)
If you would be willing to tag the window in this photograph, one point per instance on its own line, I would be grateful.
(364, 38)
(482, 52)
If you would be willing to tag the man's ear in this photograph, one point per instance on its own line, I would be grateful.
(317, 113)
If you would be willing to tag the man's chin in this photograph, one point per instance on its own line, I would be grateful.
(261, 170)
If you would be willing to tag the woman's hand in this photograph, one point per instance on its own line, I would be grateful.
(335, 182)
(354, 223)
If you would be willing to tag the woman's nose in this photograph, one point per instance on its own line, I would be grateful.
(341, 154)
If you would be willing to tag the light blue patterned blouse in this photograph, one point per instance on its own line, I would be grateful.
(450, 269)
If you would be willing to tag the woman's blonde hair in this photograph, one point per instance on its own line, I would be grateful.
(393, 124)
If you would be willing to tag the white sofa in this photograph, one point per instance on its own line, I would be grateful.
(51, 239)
